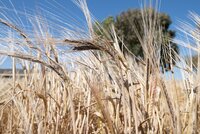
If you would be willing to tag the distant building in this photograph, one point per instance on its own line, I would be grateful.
(7, 73)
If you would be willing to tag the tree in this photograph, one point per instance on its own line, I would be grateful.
(127, 22)
(106, 24)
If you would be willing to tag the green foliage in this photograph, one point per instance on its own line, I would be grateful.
(108, 21)
(105, 27)
(128, 22)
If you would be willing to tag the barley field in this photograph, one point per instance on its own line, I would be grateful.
(77, 82)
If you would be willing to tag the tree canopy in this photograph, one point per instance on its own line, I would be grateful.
(127, 22)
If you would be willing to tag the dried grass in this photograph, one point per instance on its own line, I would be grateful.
(96, 89)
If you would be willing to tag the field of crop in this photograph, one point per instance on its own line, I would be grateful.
(78, 82)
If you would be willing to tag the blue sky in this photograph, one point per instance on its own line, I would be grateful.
(177, 9)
